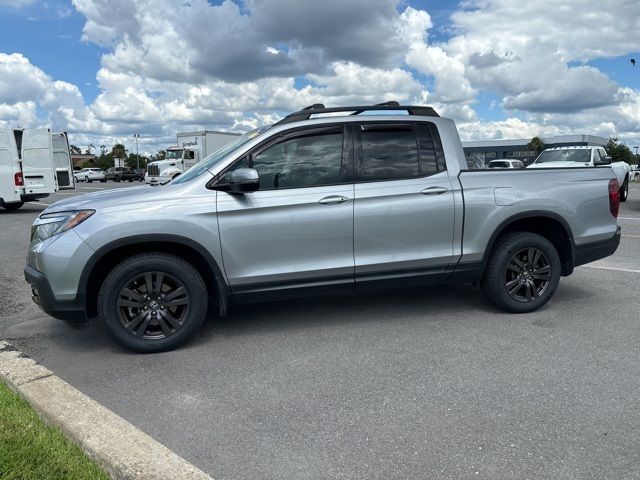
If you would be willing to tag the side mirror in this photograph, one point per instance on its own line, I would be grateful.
(603, 161)
(242, 180)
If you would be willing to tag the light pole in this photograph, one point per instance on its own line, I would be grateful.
(636, 149)
(137, 136)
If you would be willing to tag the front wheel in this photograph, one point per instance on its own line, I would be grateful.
(12, 206)
(86, 179)
(624, 190)
(116, 178)
(152, 302)
(522, 274)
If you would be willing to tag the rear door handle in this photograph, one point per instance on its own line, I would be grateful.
(333, 200)
(434, 191)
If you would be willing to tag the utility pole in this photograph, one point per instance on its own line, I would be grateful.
(137, 136)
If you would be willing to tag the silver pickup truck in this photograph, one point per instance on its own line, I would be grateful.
(317, 203)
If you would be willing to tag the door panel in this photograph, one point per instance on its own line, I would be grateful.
(297, 230)
(397, 227)
(37, 161)
(8, 167)
(286, 236)
(62, 161)
(404, 203)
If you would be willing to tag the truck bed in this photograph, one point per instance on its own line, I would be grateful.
(576, 197)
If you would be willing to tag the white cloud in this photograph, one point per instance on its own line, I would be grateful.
(175, 66)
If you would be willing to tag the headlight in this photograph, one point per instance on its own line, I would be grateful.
(50, 224)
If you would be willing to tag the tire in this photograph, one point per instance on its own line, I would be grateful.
(86, 179)
(161, 332)
(103, 181)
(624, 190)
(130, 180)
(501, 285)
(116, 178)
(12, 206)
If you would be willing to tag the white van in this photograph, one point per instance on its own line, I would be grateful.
(33, 164)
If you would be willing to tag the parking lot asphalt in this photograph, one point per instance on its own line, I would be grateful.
(420, 383)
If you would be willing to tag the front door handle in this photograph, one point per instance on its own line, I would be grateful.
(434, 191)
(333, 200)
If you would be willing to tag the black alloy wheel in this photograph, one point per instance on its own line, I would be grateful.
(152, 302)
(528, 274)
(522, 272)
(153, 305)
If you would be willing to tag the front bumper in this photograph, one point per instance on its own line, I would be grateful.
(591, 252)
(71, 311)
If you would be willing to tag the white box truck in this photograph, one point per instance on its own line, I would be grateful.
(34, 163)
(191, 147)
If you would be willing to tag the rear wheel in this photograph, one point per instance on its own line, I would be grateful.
(116, 178)
(86, 179)
(12, 206)
(153, 302)
(522, 274)
(624, 190)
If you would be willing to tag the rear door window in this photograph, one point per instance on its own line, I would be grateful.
(388, 152)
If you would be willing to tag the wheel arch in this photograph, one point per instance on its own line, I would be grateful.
(105, 258)
(549, 225)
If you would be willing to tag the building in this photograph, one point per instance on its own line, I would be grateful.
(79, 160)
(487, 150)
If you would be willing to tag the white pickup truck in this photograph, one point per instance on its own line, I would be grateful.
(590, 156)
(34, 163)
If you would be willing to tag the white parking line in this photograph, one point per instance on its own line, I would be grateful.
(40, 203)
(629, 218)
(91, 188)
(632, 236)
(612, 268)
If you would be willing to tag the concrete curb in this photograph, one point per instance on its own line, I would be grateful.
(122, 450)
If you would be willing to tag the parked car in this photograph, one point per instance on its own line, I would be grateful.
(89, 175)
(286, 210)
(506, 163)
(119, 174)
(140, 173)
(587, 156)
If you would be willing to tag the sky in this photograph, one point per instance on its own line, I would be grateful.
(104, 70)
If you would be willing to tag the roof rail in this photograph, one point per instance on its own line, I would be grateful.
(317, 108)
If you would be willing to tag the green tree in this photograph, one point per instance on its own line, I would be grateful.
(160, 155)
(75, 150)
(536, 145)
(619, 152)
(132, 161)
(119, 152)
(89, 148)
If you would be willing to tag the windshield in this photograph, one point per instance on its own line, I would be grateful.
(219, 155)
(575, 155)
(173, 154)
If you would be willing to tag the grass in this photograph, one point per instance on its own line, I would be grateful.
(30, 449)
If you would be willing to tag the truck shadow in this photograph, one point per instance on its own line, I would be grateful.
(434, 303)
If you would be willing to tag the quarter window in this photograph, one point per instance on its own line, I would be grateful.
(429, 150)
(389, 152)
(304, 161)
